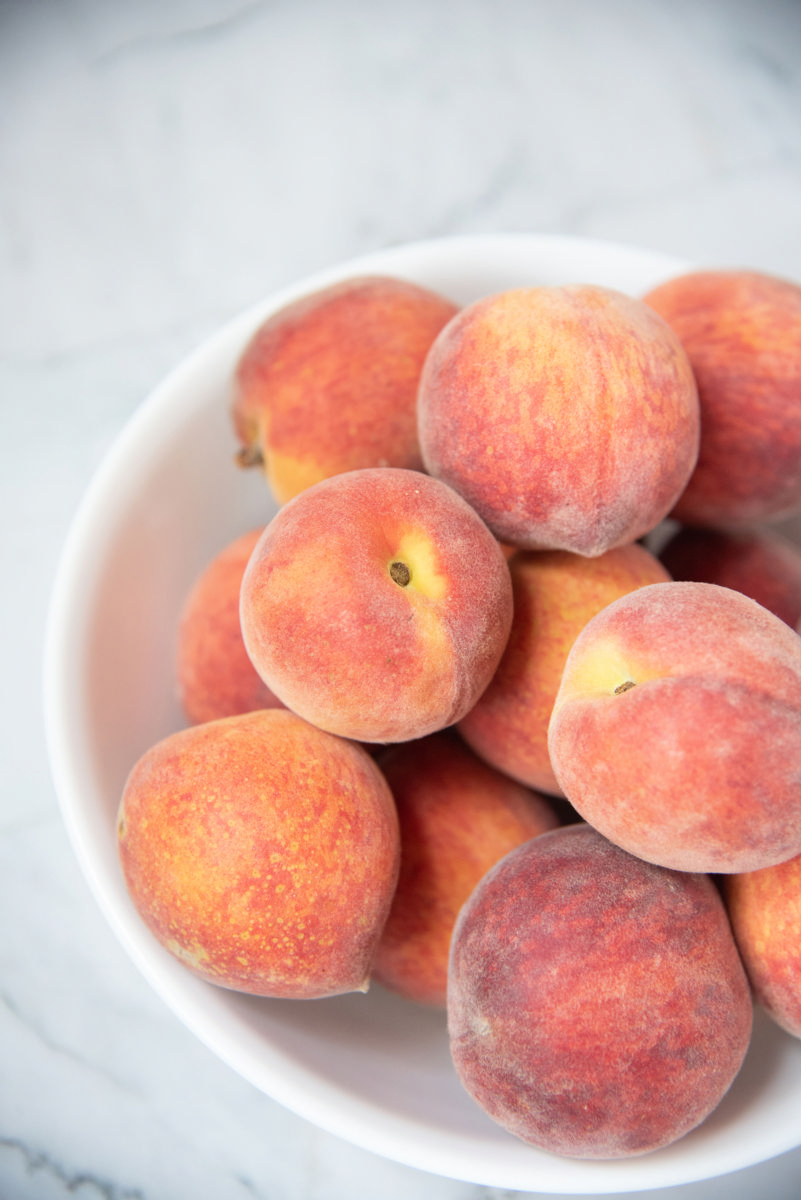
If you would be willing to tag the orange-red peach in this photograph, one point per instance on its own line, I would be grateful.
(263, 853)
(377, 605)
(597, 1005)
(329, 382)
(555, 594)
(458, 817)
(676, 731)
(214, 674)
(760, 563)
(567, 416)
(741, 330)
(765, 912)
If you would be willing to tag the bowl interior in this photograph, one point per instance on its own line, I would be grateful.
(372, 1069)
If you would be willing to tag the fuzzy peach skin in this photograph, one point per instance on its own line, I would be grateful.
(567, 416)
(597, 1006)
(329, 383)
(377, 605)
(760, 563)
(458, 817)
(262, 853)
(555, 594)
(765, 912)
(676, 731)
(214, 674)
(742, 332)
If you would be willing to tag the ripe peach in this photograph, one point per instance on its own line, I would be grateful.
(377, 605)
(329, 383)
(760, 563)
(741, 330)
(677, 728)
(765, 912)
(597, 1006)
(215, 676)
(567, 416)
(458, 817)
(555, 594)
(262, 853)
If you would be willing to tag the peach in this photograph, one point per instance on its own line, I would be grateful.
(597, 1005)
(329, 383)
(765, 912)
(555, 594)
(458, 817)
(215, 676)
(741, 330)
(567, 416)
(377, 605)
(263, 853)
(760, 563)
(676, 731)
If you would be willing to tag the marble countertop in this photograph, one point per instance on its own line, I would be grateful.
(166, 163)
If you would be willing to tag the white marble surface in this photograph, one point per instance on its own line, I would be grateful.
(163, 164)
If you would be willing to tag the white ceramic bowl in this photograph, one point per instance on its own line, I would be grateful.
(372, 1069)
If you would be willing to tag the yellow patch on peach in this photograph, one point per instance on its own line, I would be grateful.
(606, 671)
(420, 556)
(288, 474)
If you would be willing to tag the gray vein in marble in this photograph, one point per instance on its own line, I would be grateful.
(35, 1161)
(250, 1187)
(35, 1030)
(231, 22)
(770, 64)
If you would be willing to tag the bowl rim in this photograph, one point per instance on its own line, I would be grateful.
(192, 1001)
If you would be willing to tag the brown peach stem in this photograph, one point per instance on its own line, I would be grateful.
(400, 573)
(250, 456)
(624, 687)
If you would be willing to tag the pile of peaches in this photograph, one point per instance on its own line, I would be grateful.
(502, 709)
